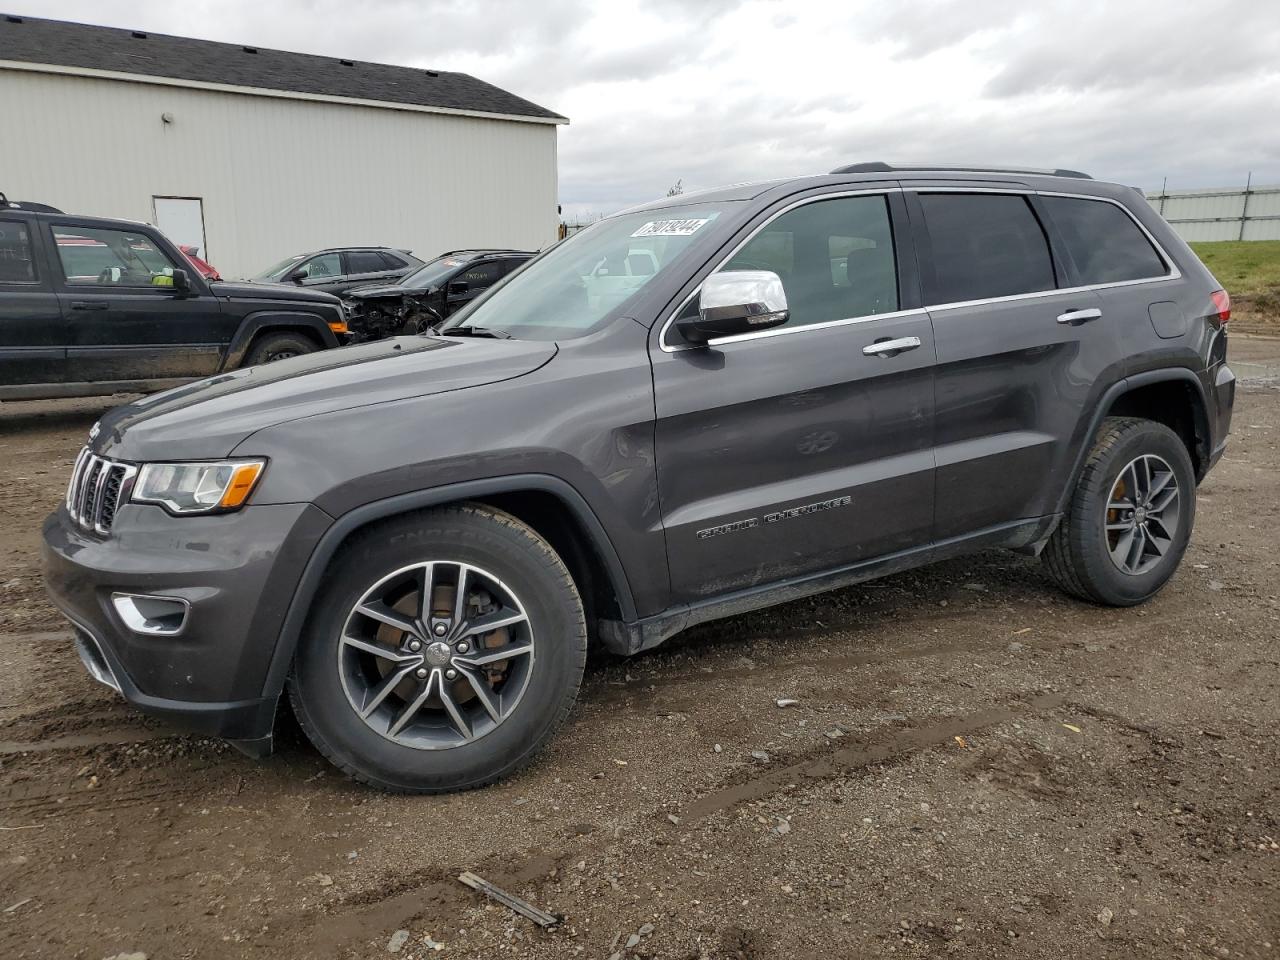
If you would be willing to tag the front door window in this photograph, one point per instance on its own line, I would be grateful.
(111, 258)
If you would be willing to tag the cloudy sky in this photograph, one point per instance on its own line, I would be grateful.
(718, 91)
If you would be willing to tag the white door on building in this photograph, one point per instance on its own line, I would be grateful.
(181, 219)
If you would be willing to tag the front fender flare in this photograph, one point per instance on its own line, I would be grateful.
(333, 537)
(261, 320)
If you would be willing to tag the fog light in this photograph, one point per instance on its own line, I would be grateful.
(155, 616)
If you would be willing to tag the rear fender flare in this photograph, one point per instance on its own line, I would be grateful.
(1117, 390)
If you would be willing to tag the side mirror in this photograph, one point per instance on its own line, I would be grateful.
(297, 276)
(734, 302)
(459, 288)
(181, 281)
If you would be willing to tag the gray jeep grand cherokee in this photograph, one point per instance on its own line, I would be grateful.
(694, 408)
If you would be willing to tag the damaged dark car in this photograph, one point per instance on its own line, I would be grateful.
(425, 298)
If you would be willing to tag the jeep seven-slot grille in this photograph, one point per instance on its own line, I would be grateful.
(97, 487)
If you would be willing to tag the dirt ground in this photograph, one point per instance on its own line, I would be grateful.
(976, 766)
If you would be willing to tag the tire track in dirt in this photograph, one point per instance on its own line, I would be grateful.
(844, 760)
(47, 799)
(79, 741)
(372, 913)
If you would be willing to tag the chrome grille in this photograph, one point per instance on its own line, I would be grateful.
(97, 488)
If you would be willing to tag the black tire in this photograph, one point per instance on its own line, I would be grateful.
(425, 319)
(470, 534)
(1079, 555)
(278, 346)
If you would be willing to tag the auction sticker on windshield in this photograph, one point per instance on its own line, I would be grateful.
(671, 228)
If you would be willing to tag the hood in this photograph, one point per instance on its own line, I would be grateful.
(206, 419)
(244, 290)
(382, 290)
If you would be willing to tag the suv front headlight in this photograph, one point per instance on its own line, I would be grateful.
(186, 488)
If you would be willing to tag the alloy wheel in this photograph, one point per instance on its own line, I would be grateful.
(436, 655)
(1143, 514)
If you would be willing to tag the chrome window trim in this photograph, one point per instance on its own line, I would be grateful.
(780, 331)
(783, 331)
(1173, 274)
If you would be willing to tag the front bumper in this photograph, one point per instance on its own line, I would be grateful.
(236, 572)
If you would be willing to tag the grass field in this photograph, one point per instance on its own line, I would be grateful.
(1250, 270)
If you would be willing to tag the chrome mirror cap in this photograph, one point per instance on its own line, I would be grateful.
(755, 296)
(734, 302)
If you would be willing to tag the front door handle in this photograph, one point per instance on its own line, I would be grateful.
(882, 348)
(1079, 316)
(89, 305)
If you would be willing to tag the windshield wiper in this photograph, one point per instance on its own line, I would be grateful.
(468, 331)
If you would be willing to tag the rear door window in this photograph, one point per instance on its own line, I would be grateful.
(391, 261)
(1105, 243)
(984, 245)
(17, 264)
(364, 261)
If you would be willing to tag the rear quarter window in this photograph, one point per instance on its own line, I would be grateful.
(985, 245)
(1102, 239)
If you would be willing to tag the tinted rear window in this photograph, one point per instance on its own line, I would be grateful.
(1105, 243)
(16, 263)
(364, 261)
(391, 260)
(985, 245)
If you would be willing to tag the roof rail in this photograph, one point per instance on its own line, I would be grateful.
(6, 203)
(481, 250)
(879, 166)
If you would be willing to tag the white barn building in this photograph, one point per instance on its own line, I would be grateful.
(254, 154)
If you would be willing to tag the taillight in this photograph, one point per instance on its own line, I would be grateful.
(1222, 305)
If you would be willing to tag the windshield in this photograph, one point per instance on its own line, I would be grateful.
(432, 273)
(588, 279)
(276, 271)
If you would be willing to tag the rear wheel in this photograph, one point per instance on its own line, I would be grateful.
(278, 346)
(446, 652)
(1130, 517)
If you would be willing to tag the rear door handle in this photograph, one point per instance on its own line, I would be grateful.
(89, 305)
(883, 347)
(1079, 316)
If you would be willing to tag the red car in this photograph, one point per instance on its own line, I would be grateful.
(206, 269)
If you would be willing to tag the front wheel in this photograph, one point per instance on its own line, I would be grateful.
(278, 346)
(448, 648)
(1130, 516)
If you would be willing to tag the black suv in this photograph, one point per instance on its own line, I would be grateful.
(425, 298)
(92, 306)
(814, 382)
(336, 269)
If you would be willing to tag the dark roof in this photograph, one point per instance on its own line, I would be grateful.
(56, 42)
(1065, 181)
